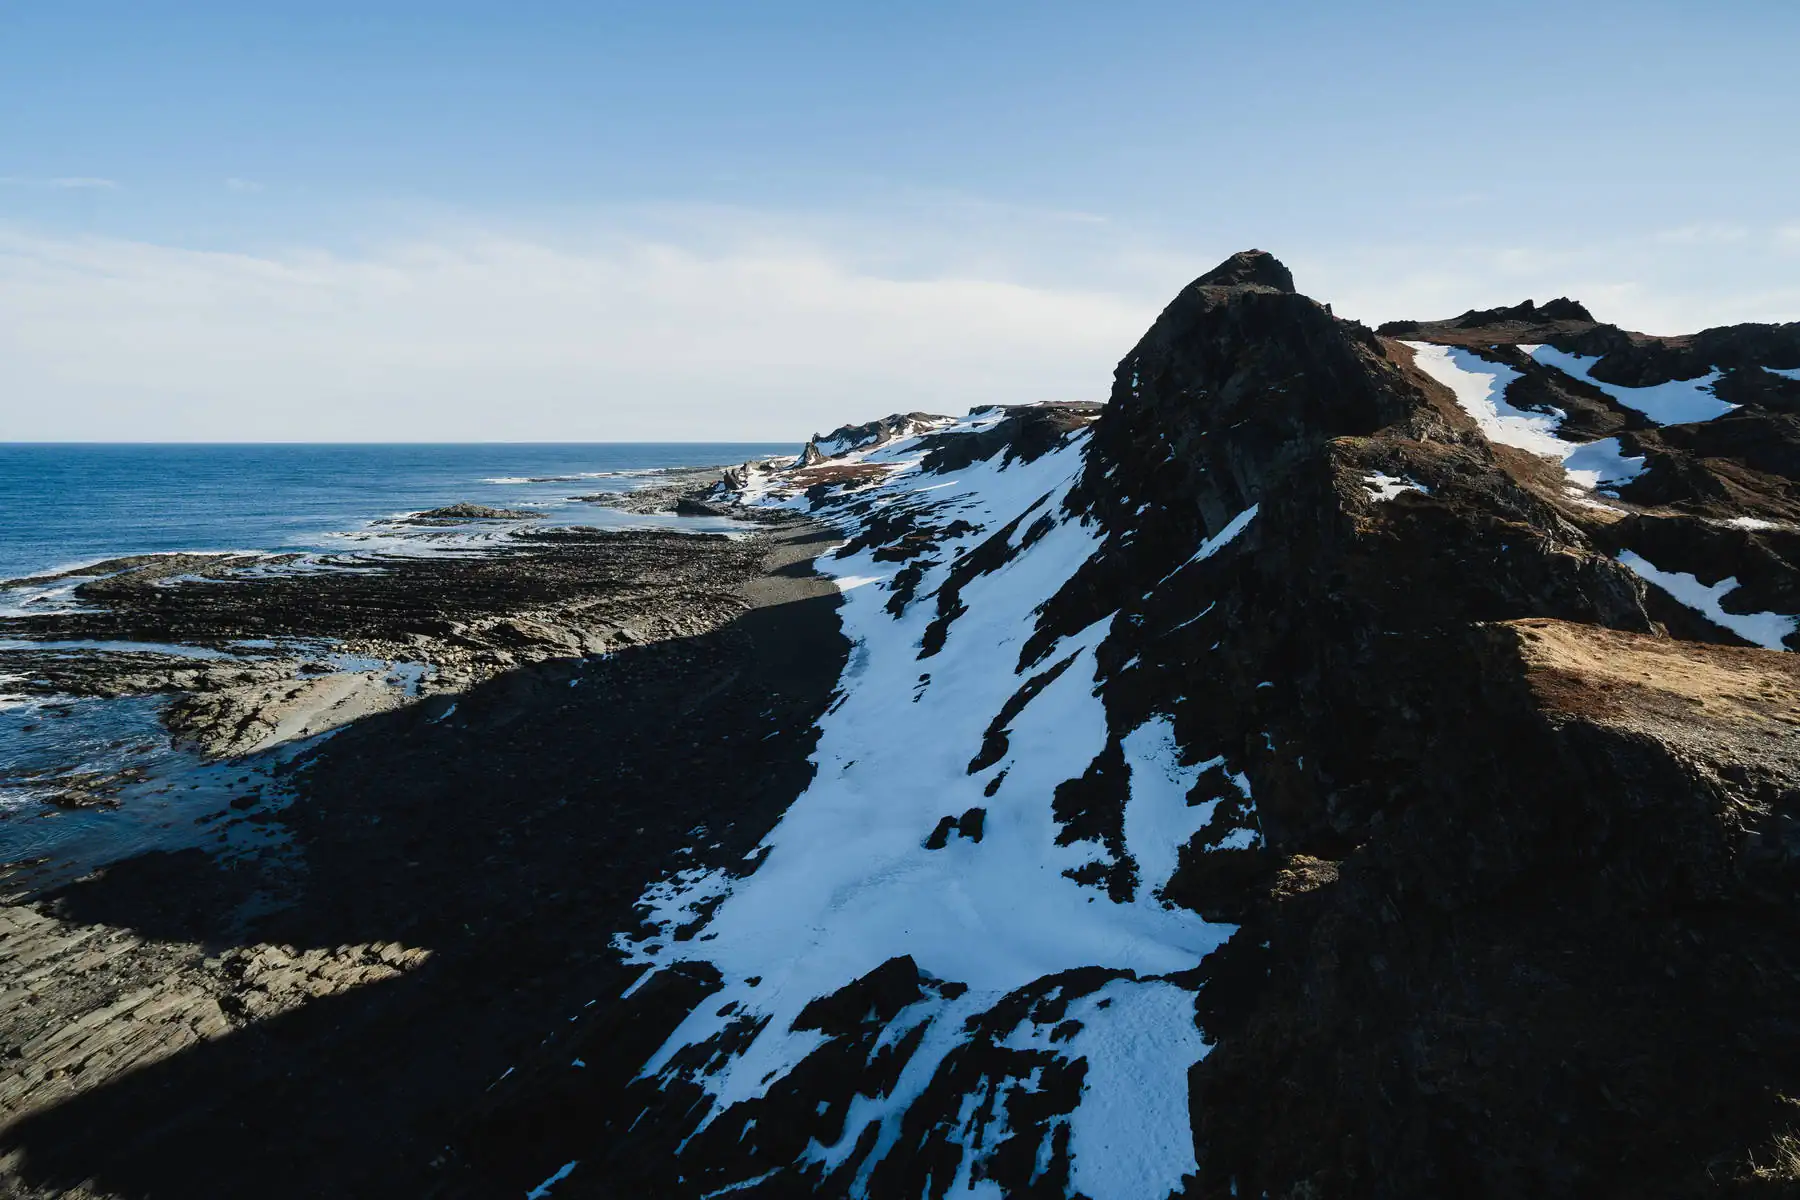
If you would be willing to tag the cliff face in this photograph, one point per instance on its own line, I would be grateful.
(1342, 764)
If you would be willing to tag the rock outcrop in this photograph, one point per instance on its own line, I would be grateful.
(1441, 786)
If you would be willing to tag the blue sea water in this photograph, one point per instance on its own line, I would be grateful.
(65, 505)
(62, 505)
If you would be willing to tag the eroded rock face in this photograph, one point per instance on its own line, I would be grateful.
(868, 435)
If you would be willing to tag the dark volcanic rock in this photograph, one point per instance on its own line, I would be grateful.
(1257, 267)
(1471, 886)
(870, 433)
(464, 511)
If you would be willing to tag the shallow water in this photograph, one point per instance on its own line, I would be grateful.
(179, 800)
(67, 505)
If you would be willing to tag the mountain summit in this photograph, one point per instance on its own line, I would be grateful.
(1344, 763)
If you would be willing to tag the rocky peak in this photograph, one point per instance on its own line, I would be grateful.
(1462, 833)
(846, 438)
(1263, 372)
(1560, 309)
(1257, 268)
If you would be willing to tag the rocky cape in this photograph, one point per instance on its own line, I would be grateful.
(1344, 762)
(1331, 767)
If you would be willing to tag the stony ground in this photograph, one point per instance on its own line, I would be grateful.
(324, 1020)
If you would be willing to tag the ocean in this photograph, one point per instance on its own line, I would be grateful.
(67, 505)
(63, 505)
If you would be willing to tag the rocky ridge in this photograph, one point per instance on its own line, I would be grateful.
(1347, 763)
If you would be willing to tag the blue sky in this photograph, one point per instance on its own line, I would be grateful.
(541, 220)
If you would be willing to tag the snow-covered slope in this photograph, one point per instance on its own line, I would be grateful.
(1294, 777)
(929, 846)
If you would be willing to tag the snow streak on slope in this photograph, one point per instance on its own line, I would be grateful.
(1677, 402)
(1480, 388)
(847, 881)
(1766, 629)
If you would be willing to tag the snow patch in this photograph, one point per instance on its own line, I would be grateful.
(1677, 402)
(1480, 387)
(1766, 629)
(1215, 543)
(1386, 487)
(1131, 1136)
(1602, 464)
(542, 1190)
(1158, 818)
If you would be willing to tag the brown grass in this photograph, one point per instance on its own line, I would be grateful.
(1784, 1160)
(807, 477)
(1607, 675)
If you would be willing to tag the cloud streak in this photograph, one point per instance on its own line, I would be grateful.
(709, 324)
(483, 336)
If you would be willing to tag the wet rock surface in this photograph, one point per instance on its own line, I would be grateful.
(612, 701)
(463, 512)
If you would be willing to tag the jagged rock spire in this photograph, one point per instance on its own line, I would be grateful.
(1250, 266)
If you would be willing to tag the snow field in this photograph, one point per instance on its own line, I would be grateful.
(1480, 389)
(845, 883)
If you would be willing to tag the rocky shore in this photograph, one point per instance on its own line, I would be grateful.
(520, 740)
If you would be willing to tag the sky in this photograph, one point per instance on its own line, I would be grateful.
(546, 220)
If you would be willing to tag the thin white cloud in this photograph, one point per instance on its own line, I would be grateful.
(1668, 281)
(489, 337)
(235, 184)
(62, 182)
(1705, 233)
(696, 323)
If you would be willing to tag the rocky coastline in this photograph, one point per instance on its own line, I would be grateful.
(399, 728)
(1345, 762)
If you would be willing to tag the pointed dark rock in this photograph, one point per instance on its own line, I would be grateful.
(1249, 267)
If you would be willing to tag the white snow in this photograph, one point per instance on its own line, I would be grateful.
(1386, 487)
(1674, 403)
(1131, 1136)
(1480, 387)
(1216, 542)
(1602, 464)
(1765, 629)
(542, 1190)
(846, 883)
(1158, 818)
